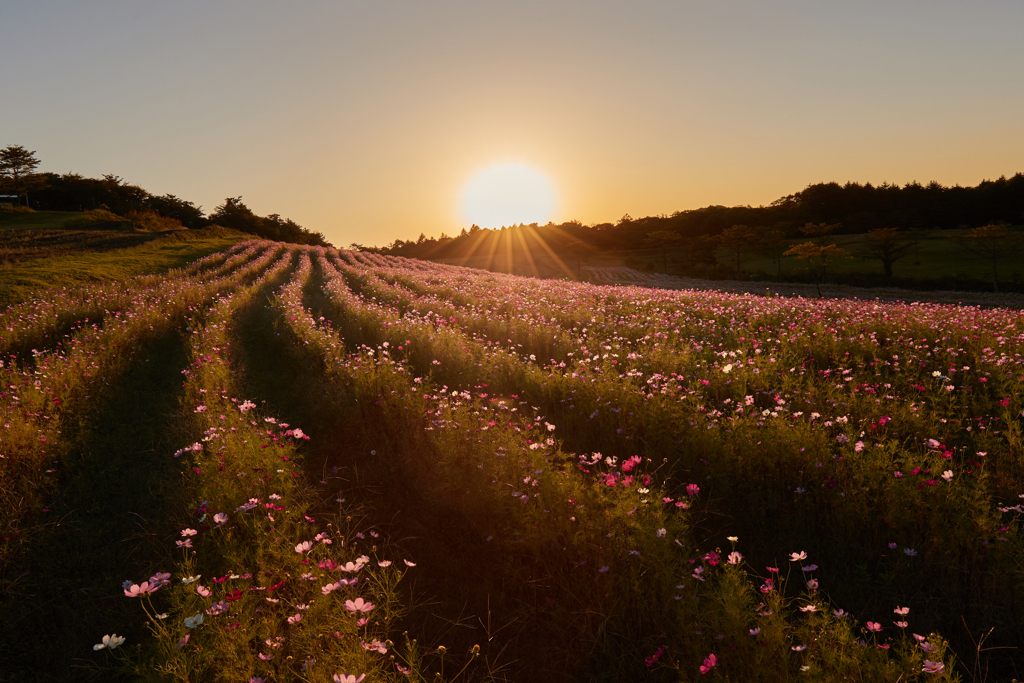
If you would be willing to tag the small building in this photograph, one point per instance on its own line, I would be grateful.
(8, 199)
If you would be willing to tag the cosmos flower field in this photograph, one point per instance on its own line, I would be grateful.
(438, 473)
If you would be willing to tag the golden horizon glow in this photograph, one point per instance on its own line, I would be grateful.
(507, 194)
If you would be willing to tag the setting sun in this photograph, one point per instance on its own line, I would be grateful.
(507, 194)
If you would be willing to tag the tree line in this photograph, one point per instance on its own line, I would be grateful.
(73, 192)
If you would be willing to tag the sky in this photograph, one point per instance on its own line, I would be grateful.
(367, 120)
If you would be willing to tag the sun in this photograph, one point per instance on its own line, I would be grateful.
(508, 194)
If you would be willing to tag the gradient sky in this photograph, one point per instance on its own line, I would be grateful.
(365, 120)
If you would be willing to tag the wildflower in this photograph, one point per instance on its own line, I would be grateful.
(220, 518)
(218, 608)
(812, 584)
(732, 539)
(727, 369)
(183, 642)
(874, 626)
(359, 605)
(304, 547)
(901, 610)
(188, 532)
(809, 608)
(931, 667)
(840, 613)
(901, 624)
(111, 642)
(910, 551)
(187, 543)
(603, 569)
(692, 489)
(661, 533)
(295, 619)
(927, 647)
(653, 658)
(948, 475)
(809, 568)
(798, 648)
(711, 660)
(203, 591)
(754, 631)
(796, 557)
(140, 589)
(348, 678)
(194, 621)
(409, 564)
(735, 557)
(190, 579)
(159, 580)
(384, 564)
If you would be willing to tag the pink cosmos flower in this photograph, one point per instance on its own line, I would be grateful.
(709, 663)
(304, 547)
(359, 605)
(203, 590)
(901, 610)
(874, 626)
(931, 667)
(796, 557)
(692, 489)
(348, 678)
(295, 619)
(735, 557)
(220, 518)
(137, 590)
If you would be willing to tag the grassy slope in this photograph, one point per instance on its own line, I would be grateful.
(39, 220)
(23, 280)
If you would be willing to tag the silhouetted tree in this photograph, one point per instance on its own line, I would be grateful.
(17, 166)
(773, 244)
(888, 245)
(742, 242)
(992, 242)
(661, 239)
(819, 257)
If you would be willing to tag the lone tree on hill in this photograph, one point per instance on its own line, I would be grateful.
(888, 245)
(991, 242)
(17, 166)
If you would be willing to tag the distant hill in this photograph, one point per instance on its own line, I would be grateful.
(853, 207)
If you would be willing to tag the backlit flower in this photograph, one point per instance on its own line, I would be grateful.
(110, 642)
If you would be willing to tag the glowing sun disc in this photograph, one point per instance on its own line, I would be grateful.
(507, 194)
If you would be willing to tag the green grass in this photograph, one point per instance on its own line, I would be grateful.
(36, 220)
(938, 262)
(23, 280)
